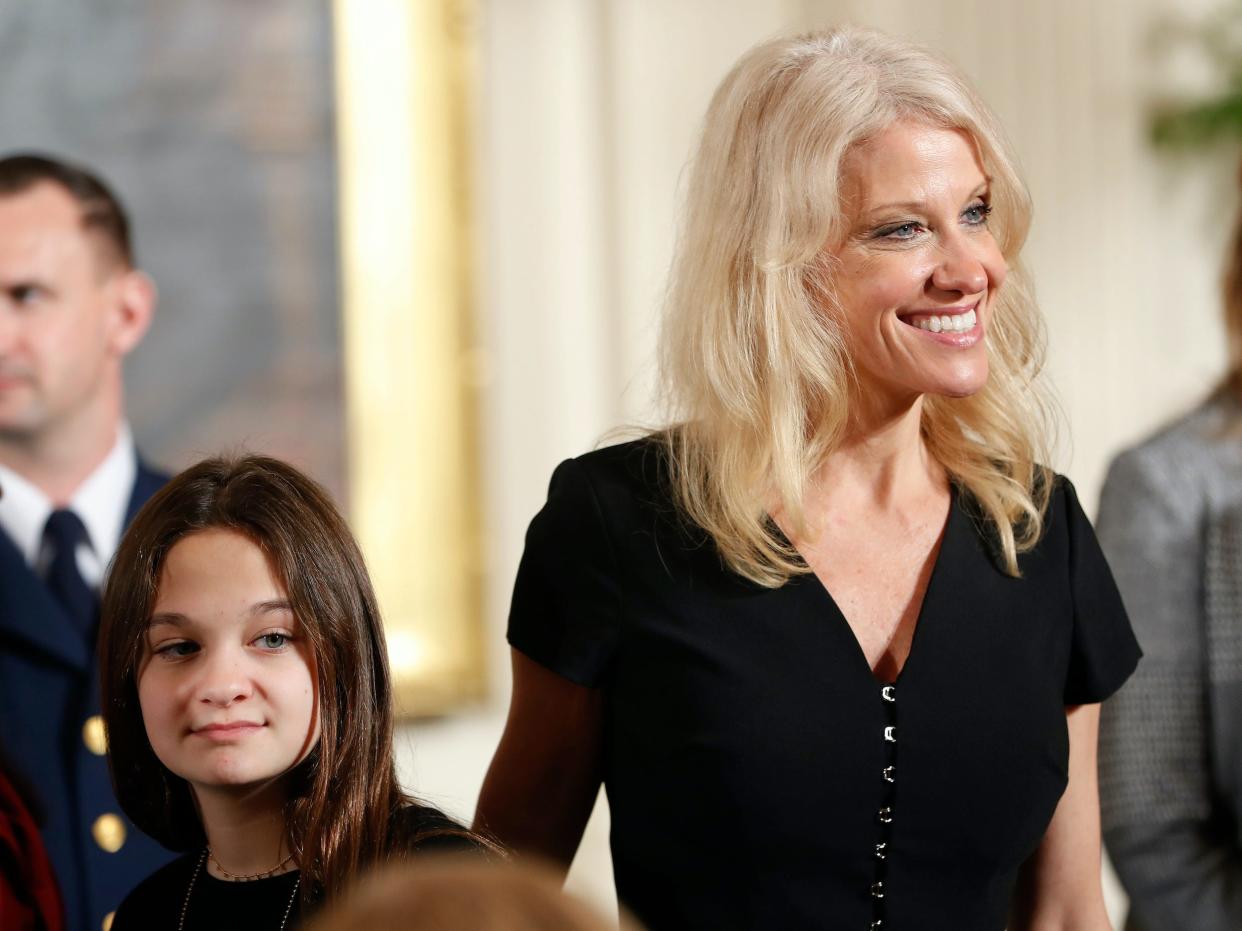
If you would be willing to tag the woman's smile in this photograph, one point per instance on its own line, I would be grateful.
(950, 326)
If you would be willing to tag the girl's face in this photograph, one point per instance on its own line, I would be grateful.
(227, 684)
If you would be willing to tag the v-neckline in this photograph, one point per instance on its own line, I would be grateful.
(921, 616)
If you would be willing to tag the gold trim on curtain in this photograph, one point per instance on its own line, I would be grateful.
(405, 74)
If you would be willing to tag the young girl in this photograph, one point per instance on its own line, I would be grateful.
(247, 702)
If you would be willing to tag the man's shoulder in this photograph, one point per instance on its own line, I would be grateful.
(149, 477)
(147, 481)
(1195, 456)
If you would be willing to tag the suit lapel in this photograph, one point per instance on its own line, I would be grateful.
(29, 613)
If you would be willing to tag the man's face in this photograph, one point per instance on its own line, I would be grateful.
(60, 315)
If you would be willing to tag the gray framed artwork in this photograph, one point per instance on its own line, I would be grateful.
(303, 311)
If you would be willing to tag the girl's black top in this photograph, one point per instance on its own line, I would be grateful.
(255, 905)
(758, 775)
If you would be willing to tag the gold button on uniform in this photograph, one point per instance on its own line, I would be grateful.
(107, 922)
(93, 735)
(109, 832)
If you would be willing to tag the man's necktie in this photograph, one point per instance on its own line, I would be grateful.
(63, 532)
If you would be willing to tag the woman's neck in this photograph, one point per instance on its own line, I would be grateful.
(246, 831)
(882, 459)
(881, 469)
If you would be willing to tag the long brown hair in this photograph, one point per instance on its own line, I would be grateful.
(344, 798)
(1231, 384)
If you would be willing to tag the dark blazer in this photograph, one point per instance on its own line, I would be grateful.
(49, 690)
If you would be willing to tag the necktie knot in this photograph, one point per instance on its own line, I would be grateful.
(64, 530)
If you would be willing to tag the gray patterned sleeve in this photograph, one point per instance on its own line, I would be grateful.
(1179, 868)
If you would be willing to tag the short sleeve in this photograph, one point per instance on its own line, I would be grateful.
(1103, 649)
(566, 612)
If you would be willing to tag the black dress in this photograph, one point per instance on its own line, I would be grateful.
(260, 904)
(757, 773)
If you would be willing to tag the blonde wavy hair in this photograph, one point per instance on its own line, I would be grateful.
(755, 369)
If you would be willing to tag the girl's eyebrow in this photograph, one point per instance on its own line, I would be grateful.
(174, 619)
(168, 617)
(267, 607)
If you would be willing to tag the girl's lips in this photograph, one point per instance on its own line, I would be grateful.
(229, 731)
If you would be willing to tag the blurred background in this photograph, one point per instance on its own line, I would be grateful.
(418, 247)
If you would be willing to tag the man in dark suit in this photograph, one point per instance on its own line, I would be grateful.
(72, 305)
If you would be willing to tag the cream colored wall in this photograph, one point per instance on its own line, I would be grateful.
(589, 114)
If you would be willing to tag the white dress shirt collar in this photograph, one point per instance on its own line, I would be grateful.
(100, 502)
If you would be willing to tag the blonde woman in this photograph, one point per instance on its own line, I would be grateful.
(833, 640)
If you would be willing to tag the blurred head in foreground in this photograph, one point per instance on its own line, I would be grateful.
(452, 893)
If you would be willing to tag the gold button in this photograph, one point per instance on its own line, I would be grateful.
(109, 832)
(107, 922)
(93, 735)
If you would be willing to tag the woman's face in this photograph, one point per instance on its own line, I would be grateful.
(227, 682)
(918, 270)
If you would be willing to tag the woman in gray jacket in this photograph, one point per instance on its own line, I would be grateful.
(1171, 740)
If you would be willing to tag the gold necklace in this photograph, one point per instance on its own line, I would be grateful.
(185, 905)
(246, 877)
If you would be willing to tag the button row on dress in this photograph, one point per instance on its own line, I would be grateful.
(884, 816)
